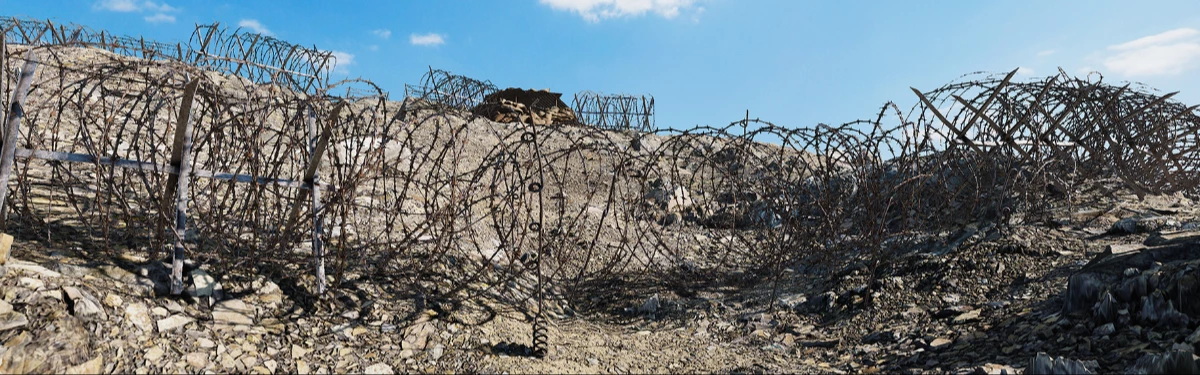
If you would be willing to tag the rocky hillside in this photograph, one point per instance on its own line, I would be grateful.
(460, 244)
(980, 300)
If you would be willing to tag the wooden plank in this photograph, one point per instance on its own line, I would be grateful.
(1079, 140)
(251, 179)
(318, 210)
(1173, 238)
(12, 127)
(1131, 139)
(313, 164)
(84, 158)
(3, 73)
(322, 143)
(147, 166)
(957, 132)
(999, 130)
(1024, 122)
(317, 151)
(181, 158)
(189, 96)
(988, 103)
(1119, 249)
(168, 193)
(1056, 123)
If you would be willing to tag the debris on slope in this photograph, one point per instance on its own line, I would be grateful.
(538, 107)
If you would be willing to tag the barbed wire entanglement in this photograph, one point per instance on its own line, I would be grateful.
(261, 59)
(441, 88)
(615, 112)
(549, 220)
(26, 31)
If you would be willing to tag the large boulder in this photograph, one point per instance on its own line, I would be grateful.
(1130, 277)
(1043, 364)
(1174, 362)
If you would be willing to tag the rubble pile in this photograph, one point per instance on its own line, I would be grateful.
(537, 107)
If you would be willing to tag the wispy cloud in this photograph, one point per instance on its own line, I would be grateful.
(430, 39)
(160, 18)
(1025, 71)
(160, 11)
(696, 14)
(1046, 53)
(596, 10)
(1169, 53)
(151, 6)
(255, 26)
(116, 5)
(1156, 39)
(382, 33)
(342, 61)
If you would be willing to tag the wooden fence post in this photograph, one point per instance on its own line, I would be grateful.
(3, 73)
(177, 184)
(318, 249)
(961, 135)
(318, 144)
(12, 127)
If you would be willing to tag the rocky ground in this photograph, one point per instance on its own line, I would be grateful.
(1108, 285)
(982, 300)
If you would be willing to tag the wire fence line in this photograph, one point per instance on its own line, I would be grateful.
(607, 112)
(454, 208)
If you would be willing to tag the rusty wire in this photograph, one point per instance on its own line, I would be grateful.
(27, 31)
(261, 59)
(457, 208)
(614, 112)
(441, 88)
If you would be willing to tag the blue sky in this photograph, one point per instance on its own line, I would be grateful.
(792, 62)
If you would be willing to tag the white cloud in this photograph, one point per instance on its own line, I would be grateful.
(160, 18)
(373, 47)
(254, 26)
(430, 39)
(1157, 39)
(116, 5)
(342, 60)
(159, 10)
(1046, 53)
(1168, 53)
(382, 33)
(596, 10)
(1025, 71)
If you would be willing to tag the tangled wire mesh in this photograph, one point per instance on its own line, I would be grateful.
(456, 208)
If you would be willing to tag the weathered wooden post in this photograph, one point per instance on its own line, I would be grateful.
(3, 73)
(317, 146)
(177, 183)
(12, 127)
(317, 209)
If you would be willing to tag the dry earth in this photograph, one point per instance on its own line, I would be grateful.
(977, 299)
(982, 298)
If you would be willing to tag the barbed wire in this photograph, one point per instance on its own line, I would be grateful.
(454, 207)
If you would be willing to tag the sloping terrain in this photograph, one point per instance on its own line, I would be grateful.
(454, 242)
